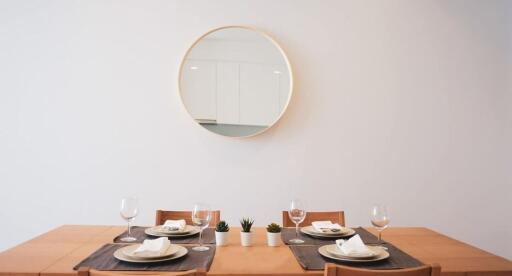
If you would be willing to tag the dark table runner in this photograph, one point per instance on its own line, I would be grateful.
(309, 258)
(289, 233)
(103, 259)
(138, 233)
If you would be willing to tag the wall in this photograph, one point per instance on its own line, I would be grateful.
(401, 102)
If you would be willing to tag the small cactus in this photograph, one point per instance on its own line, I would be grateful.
(273, 228)
(246, 224)
(222, 226)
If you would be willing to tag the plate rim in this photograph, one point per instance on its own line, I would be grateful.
(328, 246)
(191, 227)
(148, 258)
(330, 256)
(333, 235)
(118, 254)
(154, 234)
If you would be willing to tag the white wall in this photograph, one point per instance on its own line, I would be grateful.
(403, 102)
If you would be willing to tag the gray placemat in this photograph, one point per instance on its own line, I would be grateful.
(138, 233)
(309, 258)
(103, 259)
(289, 233)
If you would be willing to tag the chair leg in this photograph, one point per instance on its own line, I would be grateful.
(436, 270)
(330, 269)
(200, 272)
(83, 271)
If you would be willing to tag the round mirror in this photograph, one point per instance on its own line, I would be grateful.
(235, 81)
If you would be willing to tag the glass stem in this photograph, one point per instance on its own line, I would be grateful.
(296, 230)
(201, 238)
(380, 239)
(129, 229)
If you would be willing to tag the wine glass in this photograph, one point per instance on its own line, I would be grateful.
(297, 214)
(201, 216)
(129, 210)
(380, 219)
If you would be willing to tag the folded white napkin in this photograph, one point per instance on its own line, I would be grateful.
(353, 246)
(178, 225)
(325, 225)
(152, 248)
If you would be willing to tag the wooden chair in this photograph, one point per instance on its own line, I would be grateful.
(339, 270)
(162, 216)
(85, 271)
(335, 217)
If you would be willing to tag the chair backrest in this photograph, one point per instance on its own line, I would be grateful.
(339, 270)
(335, 217)
(85, 271)
(162, 216)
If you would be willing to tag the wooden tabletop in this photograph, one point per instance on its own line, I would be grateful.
(56, 252)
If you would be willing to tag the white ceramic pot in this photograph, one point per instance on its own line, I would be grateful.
(246, 238)
(273, 239)
(221, 238)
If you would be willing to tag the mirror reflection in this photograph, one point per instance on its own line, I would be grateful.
(235, 81)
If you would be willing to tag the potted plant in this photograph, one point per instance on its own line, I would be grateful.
(221, 233)
(273, 234)
(246, 234)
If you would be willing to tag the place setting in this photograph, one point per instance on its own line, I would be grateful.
(151, 255)
(353, 250)
(175, 230)
(325, 241)
(158, 252)
(172, 228)
(327, 229)
(319, 232)
(150, 251)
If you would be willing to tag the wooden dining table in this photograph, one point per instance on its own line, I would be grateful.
(56, 252)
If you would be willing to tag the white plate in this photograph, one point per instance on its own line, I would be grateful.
(334, 250)
(118, 254)
(128, 252)
(382, 254)
(162, 230)
(345, 232)
(150, 232)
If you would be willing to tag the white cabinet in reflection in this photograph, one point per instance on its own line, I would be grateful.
(201, 86)
(228, 96)
(234, 93)
(259, 94)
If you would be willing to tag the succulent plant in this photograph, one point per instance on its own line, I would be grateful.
(246, 224)
(274, 228)
(222, 226)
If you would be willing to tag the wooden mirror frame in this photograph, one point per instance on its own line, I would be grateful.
(273, 41)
